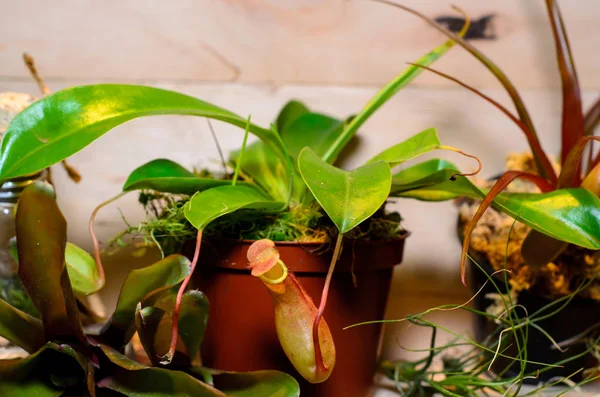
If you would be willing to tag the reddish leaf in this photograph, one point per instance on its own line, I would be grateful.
(41, 238)
(498, 187)
(492, 67)
(570, 174)
(572, 115)
(590, 122)
(538, 152)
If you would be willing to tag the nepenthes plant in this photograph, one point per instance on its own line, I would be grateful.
(292, 165)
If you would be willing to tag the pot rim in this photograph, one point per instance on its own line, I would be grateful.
(401, 237)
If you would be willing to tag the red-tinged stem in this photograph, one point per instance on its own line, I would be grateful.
(491, 66)
(536, 148)
(336, 254)
(590, 122)
(498, 187)
(479, 164)
(96, 244)
(166, 359)
(570, 175)
(572, 115)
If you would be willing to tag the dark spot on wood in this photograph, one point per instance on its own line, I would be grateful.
(480, 29)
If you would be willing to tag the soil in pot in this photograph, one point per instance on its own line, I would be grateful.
(241, 332)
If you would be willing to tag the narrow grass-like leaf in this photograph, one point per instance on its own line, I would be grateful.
(383, 95)
(492, 67)
(572, 114)
(539, 153)
(570, 174)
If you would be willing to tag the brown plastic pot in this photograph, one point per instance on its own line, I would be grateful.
(241, 332)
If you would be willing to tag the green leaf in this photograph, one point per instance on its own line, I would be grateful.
(265, 169)
(82, 270)
(348, 197)
(290, 112)
(41, 233)
(81, 267)
(193, 319)
(46, 373)
(432, 181)
(61, 124)
(163, 274)
(20, 328)
(135, 380)
(154, 324)
(313, 130)
(167, 176)
(569, 215)
(257, 383)
(204, 207)
(423, 142)
(382, 96)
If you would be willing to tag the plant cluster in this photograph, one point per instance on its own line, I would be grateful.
(72, 359)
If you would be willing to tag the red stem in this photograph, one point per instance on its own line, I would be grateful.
(166, 359)
(95, 243)
(572, 115)
(571, 171)
(318, 354)
(498, 187)
(534, 143)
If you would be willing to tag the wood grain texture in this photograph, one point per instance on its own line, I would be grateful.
(355, 42)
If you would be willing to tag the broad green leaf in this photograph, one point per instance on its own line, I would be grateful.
(164, 274)
(82, 270)
(262, 165)
(569, 215)
(46, 373)
(167, 176)
(63, 123)
(289, 113)
(154, 324)
(81, 267)
(193, 319)
(135, 380)
(421, 143)
(257, 383)
(382, 96)
(432, 181)
(204, 207)
(41, 233)
(313, 130)
(20, 328)
(348, 197)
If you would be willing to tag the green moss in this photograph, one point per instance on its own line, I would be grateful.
(166, 224)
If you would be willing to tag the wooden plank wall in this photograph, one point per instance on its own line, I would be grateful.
(251, 56)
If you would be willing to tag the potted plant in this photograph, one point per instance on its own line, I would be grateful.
(285, 166)
(67, 358)
(544, 260)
